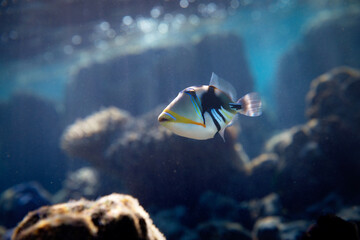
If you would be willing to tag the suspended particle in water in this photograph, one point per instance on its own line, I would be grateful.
(184, 3)
(76, 39)
(156, 12)
(127, 20)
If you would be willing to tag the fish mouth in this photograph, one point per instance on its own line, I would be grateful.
(166, 117)
(163, 119)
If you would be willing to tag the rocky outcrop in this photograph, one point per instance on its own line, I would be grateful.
(321, 156)
(328, 42)
(110, 217)
(88, 138)
(155, 165)
(290, 167)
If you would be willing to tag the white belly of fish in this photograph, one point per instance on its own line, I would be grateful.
(195, 131)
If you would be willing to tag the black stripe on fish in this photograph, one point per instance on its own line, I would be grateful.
(210, 101)
(215, 121)
(197, 100)
(220, 114)
(235, 106)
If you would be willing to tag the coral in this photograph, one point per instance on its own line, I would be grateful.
(18, 200)
(110, 217)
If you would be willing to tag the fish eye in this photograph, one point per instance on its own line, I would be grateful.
(189, 90)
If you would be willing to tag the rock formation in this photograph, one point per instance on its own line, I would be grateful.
(322, 154)
(111, 217)
(329, 41)
(153, 164)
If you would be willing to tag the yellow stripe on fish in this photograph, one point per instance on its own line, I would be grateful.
(181, 119)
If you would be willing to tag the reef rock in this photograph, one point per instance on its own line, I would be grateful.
(321, 156)
(17, 201)
(155, 165)
(330, 41)
(111, 217)
(163, 73)
(336, 94)
(88, 138)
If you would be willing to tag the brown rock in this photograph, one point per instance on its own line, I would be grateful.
(114, 216)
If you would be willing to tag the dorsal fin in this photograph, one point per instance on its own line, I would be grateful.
(223, 86)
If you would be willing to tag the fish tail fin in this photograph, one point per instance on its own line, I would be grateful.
(249, 105)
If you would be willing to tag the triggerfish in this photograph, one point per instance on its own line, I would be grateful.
(199, 112)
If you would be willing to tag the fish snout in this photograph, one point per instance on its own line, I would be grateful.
(166, 117)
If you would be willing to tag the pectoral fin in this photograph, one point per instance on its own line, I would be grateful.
(222, 133)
